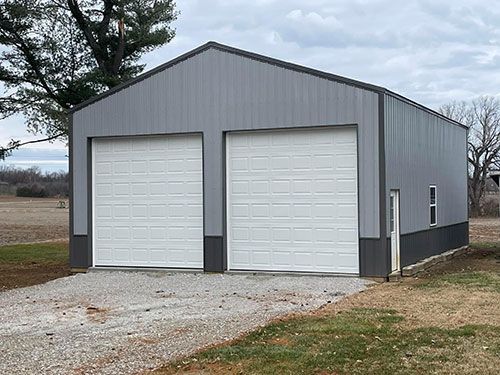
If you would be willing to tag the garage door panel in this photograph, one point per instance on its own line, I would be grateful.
(148, 203)
(121, 255)
(292, 200)
(282, 258)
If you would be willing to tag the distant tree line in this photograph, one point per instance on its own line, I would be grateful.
(31, 182)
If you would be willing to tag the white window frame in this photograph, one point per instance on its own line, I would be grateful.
(431, 205)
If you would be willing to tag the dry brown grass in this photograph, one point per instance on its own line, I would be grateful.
(448, 306)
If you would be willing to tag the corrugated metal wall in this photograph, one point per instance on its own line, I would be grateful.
(217, 91)
(422, 149)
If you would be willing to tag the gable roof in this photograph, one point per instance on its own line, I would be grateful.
(260, 58)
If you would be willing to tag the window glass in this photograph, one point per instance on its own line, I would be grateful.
(433, 194)
(392, 213)
(433, 215)
(433, 205)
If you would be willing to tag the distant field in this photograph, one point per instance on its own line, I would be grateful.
(32, 219)
(484, 229)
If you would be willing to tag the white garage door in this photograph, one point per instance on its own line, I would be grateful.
(292, 200)
(148, 202)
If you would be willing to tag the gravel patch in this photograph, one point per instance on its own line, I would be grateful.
(126, 322)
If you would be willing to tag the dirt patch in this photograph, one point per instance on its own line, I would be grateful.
(14, 234)
(97, 314)
(24, 220)
(209, 368)
(21, 275)
(484, 229)
(180, 331)
(279, 341)
(145, 340)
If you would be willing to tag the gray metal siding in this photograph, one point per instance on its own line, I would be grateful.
(216, 91)
(374, 260)
(422, 149)
(426, 243)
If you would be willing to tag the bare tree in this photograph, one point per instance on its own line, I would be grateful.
(482, 116)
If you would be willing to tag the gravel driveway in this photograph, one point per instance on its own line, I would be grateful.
(124, 322)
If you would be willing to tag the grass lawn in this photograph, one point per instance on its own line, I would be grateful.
(446, 321)
(29, 264)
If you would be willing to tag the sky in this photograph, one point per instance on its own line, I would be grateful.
(431, 51)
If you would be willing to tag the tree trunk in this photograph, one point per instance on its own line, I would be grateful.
(475, 206)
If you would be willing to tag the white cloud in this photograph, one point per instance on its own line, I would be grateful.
(313, 19)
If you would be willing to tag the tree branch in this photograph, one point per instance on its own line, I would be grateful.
(13, 145)
(32, 61)
(106, 18)
(82, 24)
(121, 47)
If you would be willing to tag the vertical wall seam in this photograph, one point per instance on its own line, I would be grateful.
(70, 154)
(90, 234)
(382, 179)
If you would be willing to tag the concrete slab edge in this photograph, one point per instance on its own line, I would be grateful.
(145, 269)
(78, 270)
(289, 273)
